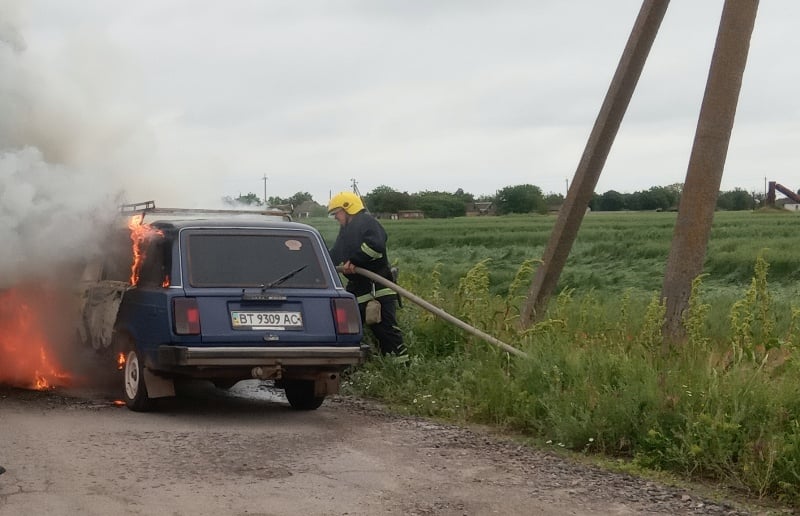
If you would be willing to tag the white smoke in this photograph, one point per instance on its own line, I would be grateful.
(69, 134)
(9, 35)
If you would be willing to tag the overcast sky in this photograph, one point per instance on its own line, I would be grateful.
(187, 101)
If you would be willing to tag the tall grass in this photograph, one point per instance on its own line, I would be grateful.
(724, 406)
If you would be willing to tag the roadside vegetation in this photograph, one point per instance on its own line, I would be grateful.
(724, 407)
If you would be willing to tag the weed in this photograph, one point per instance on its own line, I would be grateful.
(724, 406)
(694, 318)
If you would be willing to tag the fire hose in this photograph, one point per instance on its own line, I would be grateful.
(436, 310)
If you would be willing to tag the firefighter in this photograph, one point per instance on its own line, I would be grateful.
(362, 243)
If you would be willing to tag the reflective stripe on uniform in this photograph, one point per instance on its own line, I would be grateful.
(378, 293)
(372, 253)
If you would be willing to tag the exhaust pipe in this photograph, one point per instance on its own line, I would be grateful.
(266, 373)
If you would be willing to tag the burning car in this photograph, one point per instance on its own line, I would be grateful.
(223, 296)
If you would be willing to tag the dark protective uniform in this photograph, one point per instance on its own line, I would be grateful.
(362, 241)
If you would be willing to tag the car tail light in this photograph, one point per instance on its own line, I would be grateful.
(186, 316)
(345, 313)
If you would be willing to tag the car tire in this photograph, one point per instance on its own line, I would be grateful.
(300, 394)
(134, 389)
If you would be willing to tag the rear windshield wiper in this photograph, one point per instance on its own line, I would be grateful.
(278, 281)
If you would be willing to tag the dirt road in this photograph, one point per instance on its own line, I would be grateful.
(245, 452)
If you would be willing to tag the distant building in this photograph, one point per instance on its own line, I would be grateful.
(480, 208)
(410, 214)
(308, 209)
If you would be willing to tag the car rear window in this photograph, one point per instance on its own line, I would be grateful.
(253, 260)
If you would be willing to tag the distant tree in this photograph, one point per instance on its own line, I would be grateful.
(633, 201)
(384, 199)
(671, 193)
(735, 200)
(594, 203)
(611, 201)
(553, 199)
(439, 204)
(657, 198)
(520, 199)
(276, 201)
(250, 199)
(299, 198)
(676, 188)
(319, 210)
(654, 198)
(464, 197)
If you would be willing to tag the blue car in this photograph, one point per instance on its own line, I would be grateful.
(225, 297)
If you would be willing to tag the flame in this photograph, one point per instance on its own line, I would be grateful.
(25, 360)
(41, 384)
(139, 233)
(118, 403)
(121, 361)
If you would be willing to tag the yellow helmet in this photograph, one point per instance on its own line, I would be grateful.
(348, 201)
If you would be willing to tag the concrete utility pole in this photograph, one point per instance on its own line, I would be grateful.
(594, 157)
(355, 187)
(706, 163)
(265, 189)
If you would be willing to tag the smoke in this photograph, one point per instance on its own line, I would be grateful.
(69, 135)
(9, 35)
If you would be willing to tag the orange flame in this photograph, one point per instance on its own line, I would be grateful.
(139, 233)
(24, 358)
(121, 361)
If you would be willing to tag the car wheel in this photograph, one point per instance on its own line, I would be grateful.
(134, 388)
(300, 394)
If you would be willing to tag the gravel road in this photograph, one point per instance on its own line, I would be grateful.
(244, 452)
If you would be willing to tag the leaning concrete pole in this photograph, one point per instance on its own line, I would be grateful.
(706, 163)
(594, 157)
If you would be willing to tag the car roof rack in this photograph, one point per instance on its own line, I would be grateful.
(148, 207)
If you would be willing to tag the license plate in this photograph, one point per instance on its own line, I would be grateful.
(267, 320)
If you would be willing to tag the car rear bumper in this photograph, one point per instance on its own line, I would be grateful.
(261, 356)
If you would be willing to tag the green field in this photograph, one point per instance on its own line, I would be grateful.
(723, 407)
(613, 250)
